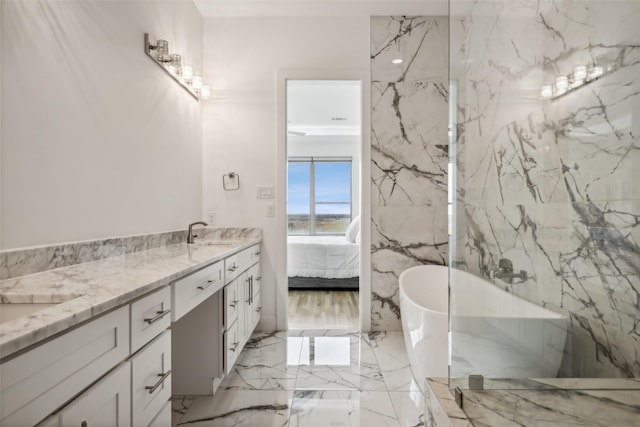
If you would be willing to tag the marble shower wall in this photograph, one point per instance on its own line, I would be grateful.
(409, 154)
(552, 185)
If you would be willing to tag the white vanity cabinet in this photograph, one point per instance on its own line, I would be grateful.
(240, 314)
(120, 368)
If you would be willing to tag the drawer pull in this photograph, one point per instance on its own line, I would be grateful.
(159, 315)
(232, 268)
(163, 377)
(210, 282)
(234, 303)
(259, 309)
(258, 278)
(235, 346)
(257, 253)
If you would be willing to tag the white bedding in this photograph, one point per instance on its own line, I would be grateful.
(329, 257)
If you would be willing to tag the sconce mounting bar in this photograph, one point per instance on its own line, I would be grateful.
(148, 49)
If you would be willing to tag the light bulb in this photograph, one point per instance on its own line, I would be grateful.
(546, 91)
(187, 72)
(596, 72)
(579, 73)
(196, 82)
(562, 84)
(205, 91)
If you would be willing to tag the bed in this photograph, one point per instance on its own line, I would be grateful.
(322, 262)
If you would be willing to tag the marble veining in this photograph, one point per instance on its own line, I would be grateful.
(550, 184)
(341, 400)
(86, 290)
(533, 403)
(409, 152)
(23, 261)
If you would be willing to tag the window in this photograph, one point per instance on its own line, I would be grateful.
(319, 195)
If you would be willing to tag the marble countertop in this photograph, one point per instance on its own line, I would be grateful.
(537, 402)
(83, 291)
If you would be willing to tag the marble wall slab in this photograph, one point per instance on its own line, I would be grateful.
(409, 154)
(552, 184)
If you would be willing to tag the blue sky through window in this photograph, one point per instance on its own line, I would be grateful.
(332, 184)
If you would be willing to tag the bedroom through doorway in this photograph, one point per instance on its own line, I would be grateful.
(323, 200)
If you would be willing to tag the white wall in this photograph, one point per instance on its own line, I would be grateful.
(242, 57)
(97, 141)
(331, 146)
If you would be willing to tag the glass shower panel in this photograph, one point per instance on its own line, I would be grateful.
(545, 143)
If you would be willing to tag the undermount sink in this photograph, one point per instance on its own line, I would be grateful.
(12, 311)
(21, 306)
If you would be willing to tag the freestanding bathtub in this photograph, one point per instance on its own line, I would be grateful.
(493, 333)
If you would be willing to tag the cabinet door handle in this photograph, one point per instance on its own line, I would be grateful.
(163, 377)
(234, 303)
(235, 346)
(159, 315)
(209, 283)
(259, 309)
(258, 278)
(257, 253)
(232, 268)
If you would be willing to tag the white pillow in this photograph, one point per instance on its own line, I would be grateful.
(353, 229)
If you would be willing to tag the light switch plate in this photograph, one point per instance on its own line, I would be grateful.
(264, 191)
(269, 209)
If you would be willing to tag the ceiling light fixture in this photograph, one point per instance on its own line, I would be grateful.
(172, 64)
(397, 61)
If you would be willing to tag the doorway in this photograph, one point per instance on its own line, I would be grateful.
(322, 155)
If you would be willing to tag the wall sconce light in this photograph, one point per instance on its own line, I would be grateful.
(581, 76)
(173, 65)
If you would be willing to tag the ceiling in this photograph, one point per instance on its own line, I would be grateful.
(323, 108)
(209, 8)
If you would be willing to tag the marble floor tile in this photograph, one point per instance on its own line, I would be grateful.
(338, 362)
(269, 361)
(389, 350)
(179, 406)
(323, 408)
(240, 408)
(409, 407)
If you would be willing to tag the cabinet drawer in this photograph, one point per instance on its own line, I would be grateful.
(190, 291)
(232, 268)
(39, 381)
(231, 347)
(106, 403)
(231, 303)
(149, 317)
(255, 253)
(151, 380)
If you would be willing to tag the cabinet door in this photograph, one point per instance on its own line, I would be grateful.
(151, 380)
(243, 294)
(107, 403)
(231, 303)
(256, 308)
(231, 347)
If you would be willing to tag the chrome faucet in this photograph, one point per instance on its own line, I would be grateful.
(190, 235)
(505, 272)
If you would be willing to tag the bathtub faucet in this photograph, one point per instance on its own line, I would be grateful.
(505, 272)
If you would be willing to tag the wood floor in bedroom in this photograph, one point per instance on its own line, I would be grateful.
(318, 309)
